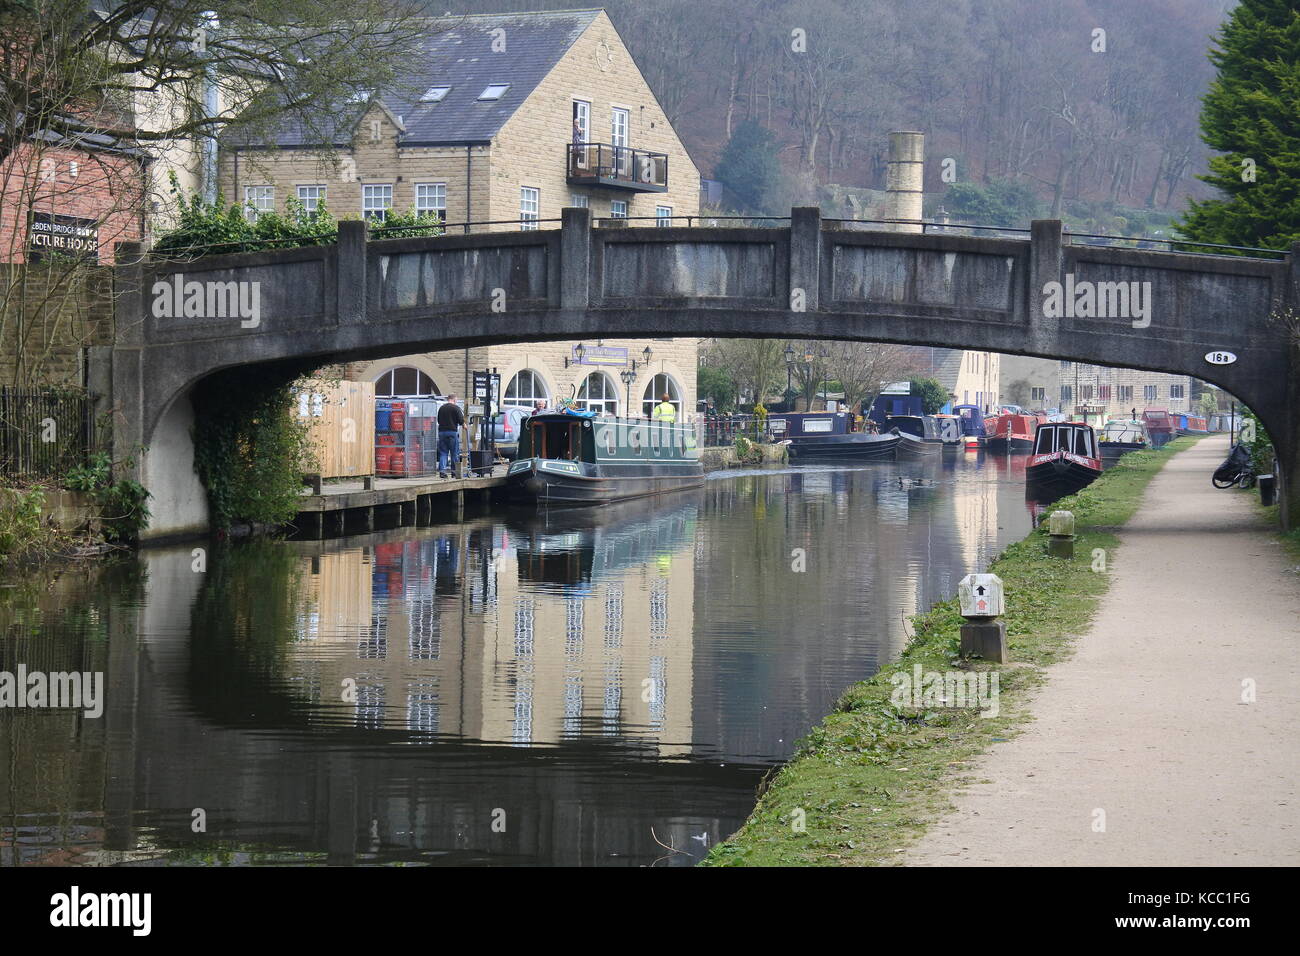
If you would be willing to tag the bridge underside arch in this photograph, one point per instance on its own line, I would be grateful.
(363, 300)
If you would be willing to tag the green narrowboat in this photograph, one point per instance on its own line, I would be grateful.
(577, 459)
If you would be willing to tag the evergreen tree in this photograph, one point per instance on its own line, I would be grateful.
(748, 167)
(1251, 115)
(933, 395)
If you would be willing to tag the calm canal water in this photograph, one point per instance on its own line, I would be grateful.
(585, 687)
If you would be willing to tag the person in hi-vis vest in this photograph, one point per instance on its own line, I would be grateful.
(665, 411)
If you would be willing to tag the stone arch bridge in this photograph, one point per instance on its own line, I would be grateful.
(812, 278)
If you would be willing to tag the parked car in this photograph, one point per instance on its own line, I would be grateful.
(505, 429)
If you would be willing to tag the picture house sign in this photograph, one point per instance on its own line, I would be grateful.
(53, 236)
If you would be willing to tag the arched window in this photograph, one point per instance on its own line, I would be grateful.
(525, 389)
(404, 382)
(662, 384)
(599, 394)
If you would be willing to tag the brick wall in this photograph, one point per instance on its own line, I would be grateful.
(105, 188)
(48, 317)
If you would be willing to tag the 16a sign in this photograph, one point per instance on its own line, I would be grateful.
(50, 236)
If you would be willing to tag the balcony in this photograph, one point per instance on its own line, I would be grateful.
(622, 167)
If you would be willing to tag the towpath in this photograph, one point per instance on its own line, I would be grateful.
(1146, 723)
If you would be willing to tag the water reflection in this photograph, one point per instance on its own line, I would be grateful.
(566, 687)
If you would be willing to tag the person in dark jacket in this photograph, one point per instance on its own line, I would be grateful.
(450, 421)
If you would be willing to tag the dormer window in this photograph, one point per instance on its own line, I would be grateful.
(435, 94)
(494, 91)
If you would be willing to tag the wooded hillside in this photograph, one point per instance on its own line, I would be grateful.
(1018, 90)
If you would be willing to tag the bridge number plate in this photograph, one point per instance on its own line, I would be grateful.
(1220, 358)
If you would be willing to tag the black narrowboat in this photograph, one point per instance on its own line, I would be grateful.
(918, 435)
(824, 438)
(578, 459)
(1065, 458)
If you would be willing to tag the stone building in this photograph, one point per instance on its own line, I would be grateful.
(972, 377)
(508, 119)
(1069, 387)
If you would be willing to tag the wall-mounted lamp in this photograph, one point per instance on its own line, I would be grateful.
(579, 352)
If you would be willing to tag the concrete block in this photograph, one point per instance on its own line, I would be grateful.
(986, 639)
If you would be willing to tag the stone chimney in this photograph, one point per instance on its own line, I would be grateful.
(904, 180)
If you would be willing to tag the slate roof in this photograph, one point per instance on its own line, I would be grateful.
(459, 54)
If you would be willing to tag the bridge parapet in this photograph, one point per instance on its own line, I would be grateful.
(811, 278)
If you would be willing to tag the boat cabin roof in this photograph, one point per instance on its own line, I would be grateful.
(796, 424)
(922, 426)
(1076, 438)
(556, 435)
(1121, 429)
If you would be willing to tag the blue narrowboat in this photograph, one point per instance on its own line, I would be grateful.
(824, 437)
(972, 425)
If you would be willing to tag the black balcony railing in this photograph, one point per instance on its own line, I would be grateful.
(600, 164)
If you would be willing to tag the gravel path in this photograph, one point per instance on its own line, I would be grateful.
(1146, 721)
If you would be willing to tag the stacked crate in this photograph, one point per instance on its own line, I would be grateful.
(406, 437)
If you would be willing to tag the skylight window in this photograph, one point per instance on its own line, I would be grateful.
(435, 94)
(494, 91)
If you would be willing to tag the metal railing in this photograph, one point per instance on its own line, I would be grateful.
(45, 432)
(607, 164)
(720, 430)
(922, 226)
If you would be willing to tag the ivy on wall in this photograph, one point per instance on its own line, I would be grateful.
(250, 450)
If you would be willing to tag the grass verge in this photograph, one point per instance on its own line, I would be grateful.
(866, 781)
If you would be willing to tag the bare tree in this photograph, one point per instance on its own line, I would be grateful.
(863, 368)
(73, 68)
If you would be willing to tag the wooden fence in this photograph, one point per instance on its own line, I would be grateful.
(342, 423)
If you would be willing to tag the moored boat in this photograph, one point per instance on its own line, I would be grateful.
(973, 434)
(1011, 432)
(1122, 435)
(918, 435)
(578, 459)
(1065, 458)
(1161, 426)
(824, 437)
(1192, 425)
(949, 431)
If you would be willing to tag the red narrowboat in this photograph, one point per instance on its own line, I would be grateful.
(1065, 459)
(1010, 432)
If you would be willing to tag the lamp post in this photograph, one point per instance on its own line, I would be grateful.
(628, 375)
(789, 367)
(808, 371)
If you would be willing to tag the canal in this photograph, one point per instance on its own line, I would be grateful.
(598, 687)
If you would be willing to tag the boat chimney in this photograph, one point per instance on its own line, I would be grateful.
(904, 181)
